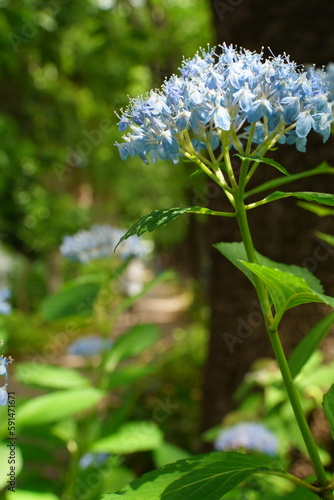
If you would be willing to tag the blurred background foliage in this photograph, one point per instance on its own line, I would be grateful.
(66, 68)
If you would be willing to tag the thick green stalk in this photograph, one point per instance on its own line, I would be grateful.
(279, 353)
(298, 411)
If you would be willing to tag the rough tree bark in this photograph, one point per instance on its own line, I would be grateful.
(282, 231)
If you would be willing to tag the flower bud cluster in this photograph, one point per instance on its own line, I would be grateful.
(227, 92)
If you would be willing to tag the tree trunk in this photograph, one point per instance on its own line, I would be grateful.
(282, 231)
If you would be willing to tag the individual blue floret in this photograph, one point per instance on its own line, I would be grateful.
(247, 436)
(100, 241)
(89, 345)
(5, 307)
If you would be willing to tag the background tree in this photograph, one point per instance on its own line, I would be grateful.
(304, 32)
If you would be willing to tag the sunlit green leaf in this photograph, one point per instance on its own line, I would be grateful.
(287, 290)
(268, 161)
(75, 301)
(30, 495)
(168, 453)
(158, 218)
(309, 344)
(5, 465)
(57, 405)
(321, 198)
(56, 377)
(131, 437)
(321, 169)
(328, 405)
(328, 238)
(127, 375)
(202, 476)
(319, 210)
(153, 220)
(131, 343)
(236, 253)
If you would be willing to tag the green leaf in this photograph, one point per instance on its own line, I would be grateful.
(5, 466)
(131, 343)
(157, 218)
(201, 476)
(321, 169)
(75, 301)
(56, 406)
(309, 344)
(287, 290)
(30, 495)
(130, 438)
(320, 211)
(328, 238)
(49, 376)
(301, 494)
(168, 453)
(321, 198)
(236, 253)
(153, 220)
(196, 173)
(328, 404)
(268, 161)
(129, 374)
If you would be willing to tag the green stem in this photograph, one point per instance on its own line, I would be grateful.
(297, 409)
(279, 353)
(293, 479)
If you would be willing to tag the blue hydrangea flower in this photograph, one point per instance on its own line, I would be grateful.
(330, 80)
(3, 395)
(4, 362)
(247, 436)
(93, 460)
(89, 345)
(5, 307)
(223, 92)
(100, 241)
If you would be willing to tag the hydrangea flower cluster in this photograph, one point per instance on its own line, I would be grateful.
(100, 241)
(248, 436)
(5, 307)
(93, 460)
(237, 92)
(89, 345)
(4, 362)
(329, 80)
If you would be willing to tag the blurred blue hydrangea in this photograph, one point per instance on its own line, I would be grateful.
(248, 436)
(89, 345)
(227, 91)
(100, 241)
(3, 395)
(5, 307)
(93, 460)
(4, 362)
